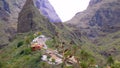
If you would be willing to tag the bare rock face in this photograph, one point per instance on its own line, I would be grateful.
(101, 16)
(93, 2)
(9, 9)
(12, 13)
(30, 19)
(47, 10)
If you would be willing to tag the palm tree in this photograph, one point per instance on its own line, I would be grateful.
(110, 60)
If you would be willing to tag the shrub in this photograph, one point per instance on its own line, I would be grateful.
(110, 60)
(29, 38)
(84, 65)
(20, 44)
(1, 65)
(116, 65)
(27, 51)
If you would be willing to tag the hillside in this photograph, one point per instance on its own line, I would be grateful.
(91, 39)
(9, 13)
(101, 17)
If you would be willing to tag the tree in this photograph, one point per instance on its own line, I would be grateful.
(20, 43)
(110, 60)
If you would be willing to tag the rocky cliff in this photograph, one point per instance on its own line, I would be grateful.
(47, 10)
(30, 19)
(9, 10)
(100, 16)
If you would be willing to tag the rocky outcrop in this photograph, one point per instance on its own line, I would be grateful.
(9, 10)
(101, 16)
(47, 10)
(30, 19)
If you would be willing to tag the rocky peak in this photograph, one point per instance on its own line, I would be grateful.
(13, 7)
(30, 19)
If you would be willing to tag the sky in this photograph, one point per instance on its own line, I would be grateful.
(66, 9)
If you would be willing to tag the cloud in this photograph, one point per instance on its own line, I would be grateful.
(66, 9)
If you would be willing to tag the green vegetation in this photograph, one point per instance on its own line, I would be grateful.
(19, 54)
(20, 43)
(116, 65)
(84, 65)
(110, 61)
(1, 65)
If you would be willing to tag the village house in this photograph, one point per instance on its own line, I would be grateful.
(39, 43)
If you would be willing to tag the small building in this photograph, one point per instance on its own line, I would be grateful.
(38, 43)
(36, 46)
(44, 58)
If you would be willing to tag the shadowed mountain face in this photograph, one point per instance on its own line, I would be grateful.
(100, 16)
(31, 20)
(9, 10)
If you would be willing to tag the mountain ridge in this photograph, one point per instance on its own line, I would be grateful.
(102, 16)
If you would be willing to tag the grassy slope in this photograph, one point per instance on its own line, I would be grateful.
(104, 44)
(12, 56)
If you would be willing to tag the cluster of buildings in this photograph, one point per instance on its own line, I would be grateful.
(51, 56)
(39, 43)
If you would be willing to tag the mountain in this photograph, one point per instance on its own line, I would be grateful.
(9, 10)
(99, 28)
(9, 13)
(47, 10)
(91, 38)
(30, 19)
(101, 17)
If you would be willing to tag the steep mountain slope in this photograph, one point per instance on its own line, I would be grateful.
(31, 22)
(10, 9)
(47, 10)
(100, 23)
(30, 19)
(3, 35)
(101, 16)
